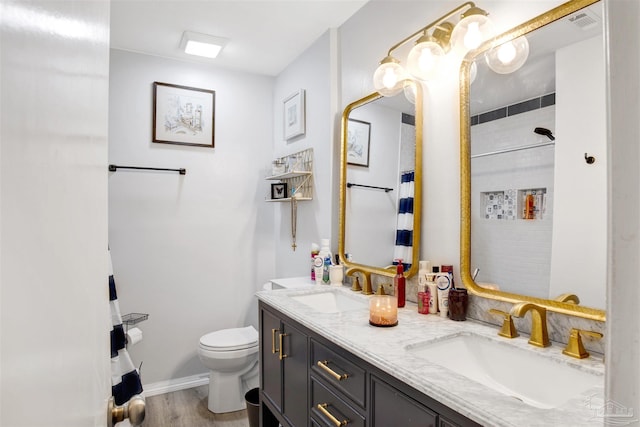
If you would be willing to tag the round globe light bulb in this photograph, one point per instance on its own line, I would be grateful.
(410, 91)
(473, 38)
(506, 53)
(509, 56)
(473, 72)
(424, 60)
(388, 78)
(471, 32)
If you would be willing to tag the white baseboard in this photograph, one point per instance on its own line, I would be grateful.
(162, 387)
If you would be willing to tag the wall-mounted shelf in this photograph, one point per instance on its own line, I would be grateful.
(131, 319)
(287, 175)
(298, 176)
(288, 199)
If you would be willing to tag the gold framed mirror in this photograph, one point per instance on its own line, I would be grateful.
(381, 144)
(506, 205)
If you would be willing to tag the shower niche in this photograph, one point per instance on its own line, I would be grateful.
(514, 204)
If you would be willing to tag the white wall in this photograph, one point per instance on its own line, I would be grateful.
(623, 293)
(189, 250)
(579, 239)
(312, 72)
(54, 322)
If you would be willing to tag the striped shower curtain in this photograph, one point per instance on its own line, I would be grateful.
(125, 379)
(404, 231)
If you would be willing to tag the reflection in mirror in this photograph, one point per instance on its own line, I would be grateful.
(534, 211)
(379, 188)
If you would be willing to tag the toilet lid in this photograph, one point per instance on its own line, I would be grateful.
(231, 339)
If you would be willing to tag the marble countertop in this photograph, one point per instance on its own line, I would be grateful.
(386, 348)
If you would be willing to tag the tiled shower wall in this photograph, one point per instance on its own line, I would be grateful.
(514, 251)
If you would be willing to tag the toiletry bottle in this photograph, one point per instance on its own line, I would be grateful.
(325, 270)
(444, 284)
(423, 270)
(433, 295)
(399, 285)
(314, 252)
(449, 270)
(423, 298)
(325, 249)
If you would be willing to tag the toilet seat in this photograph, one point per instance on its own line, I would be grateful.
(230, 339)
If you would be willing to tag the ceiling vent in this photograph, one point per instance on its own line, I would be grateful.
(584, 19)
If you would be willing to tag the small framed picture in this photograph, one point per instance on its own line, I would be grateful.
(279, 190)
(293, 115)
(358, 136)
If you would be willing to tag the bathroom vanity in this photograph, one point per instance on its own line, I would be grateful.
(323, 364)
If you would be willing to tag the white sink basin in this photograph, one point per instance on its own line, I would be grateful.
(528, 376)
(330, 302)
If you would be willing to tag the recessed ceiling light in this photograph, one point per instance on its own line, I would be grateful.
(202, 44)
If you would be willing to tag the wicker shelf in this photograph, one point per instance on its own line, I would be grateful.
(299, 179)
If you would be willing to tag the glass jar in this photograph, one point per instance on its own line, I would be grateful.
(278, 167)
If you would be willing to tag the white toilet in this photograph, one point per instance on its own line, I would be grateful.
(232, 357)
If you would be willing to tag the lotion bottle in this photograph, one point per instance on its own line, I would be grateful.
(423, 299)
(399, 285)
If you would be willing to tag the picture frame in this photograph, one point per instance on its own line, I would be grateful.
(183, 115)
(293, 115)
(358, 140)
(279, 191)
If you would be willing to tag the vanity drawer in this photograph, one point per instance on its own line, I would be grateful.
(340, 372)
(329, 409)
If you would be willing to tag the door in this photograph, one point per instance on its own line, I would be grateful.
(271, 366)
(295, 376)
(54, 309)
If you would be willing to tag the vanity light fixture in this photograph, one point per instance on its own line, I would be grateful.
(508, 57)
(201, 44)
(424, 59)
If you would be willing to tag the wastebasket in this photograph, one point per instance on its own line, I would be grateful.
(252, 397)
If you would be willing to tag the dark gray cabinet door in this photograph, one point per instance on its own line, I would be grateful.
(271, 365)
(391, 407)
(295, 376)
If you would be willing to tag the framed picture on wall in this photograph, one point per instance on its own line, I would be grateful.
(183, 115)
(279, 190)
(358, 138)
(293, 115)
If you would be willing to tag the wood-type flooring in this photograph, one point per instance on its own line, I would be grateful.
(188, 408)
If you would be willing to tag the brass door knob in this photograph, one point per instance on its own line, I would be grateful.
(134, 410)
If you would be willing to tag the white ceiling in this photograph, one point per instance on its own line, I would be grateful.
(264, 36)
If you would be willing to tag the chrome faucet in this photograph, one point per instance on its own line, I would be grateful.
(539, 335)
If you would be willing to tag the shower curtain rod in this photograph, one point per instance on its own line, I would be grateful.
(114, 168)
(386, 189)
(508, 150)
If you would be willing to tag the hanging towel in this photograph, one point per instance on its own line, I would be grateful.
(404, 231)
(125, 379)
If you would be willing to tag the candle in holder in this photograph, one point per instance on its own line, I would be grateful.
(383, 310)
